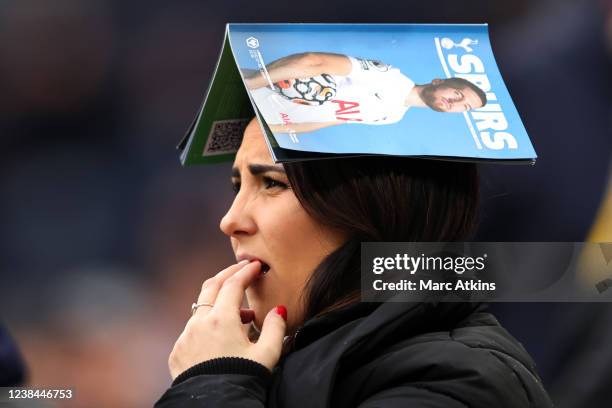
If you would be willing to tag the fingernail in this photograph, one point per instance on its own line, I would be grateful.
(243, 262)
(282, 311)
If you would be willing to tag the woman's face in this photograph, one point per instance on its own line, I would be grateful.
(267, 222)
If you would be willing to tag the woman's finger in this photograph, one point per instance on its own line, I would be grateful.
(232, 292)
(211, 286)
(270, 340)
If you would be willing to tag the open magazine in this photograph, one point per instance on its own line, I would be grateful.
(330, 90)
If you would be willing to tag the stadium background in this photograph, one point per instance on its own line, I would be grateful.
(105, 239)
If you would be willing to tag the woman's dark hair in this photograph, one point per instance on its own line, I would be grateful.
(379, 198)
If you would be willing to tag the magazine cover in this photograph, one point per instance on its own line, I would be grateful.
(430, 90)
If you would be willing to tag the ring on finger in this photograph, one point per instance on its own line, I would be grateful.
(194, 306)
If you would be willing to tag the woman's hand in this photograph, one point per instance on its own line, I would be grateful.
(218, 331)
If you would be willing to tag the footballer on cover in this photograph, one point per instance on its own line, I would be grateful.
(329, 90)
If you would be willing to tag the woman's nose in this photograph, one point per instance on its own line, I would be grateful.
(239, 219)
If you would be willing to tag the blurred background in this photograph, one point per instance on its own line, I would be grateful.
(105, 239)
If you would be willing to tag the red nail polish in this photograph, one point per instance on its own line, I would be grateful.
(282, 311)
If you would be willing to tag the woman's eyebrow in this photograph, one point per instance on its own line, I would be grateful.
(256, 169)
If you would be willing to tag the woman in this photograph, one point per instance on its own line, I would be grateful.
(296, 231)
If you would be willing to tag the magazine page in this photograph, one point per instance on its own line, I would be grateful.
(401, 89)
(216, 132)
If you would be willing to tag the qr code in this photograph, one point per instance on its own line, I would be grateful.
(225, 136)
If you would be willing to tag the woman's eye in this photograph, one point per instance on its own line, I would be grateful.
(236, 187)
(271, 183)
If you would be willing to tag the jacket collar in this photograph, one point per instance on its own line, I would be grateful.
(371, 315)
(323, 342)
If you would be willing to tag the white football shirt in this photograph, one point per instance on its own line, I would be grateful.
(372, 93)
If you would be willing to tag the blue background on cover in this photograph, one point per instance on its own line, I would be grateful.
(412, 49)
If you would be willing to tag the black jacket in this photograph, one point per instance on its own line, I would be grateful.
(446, 355)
